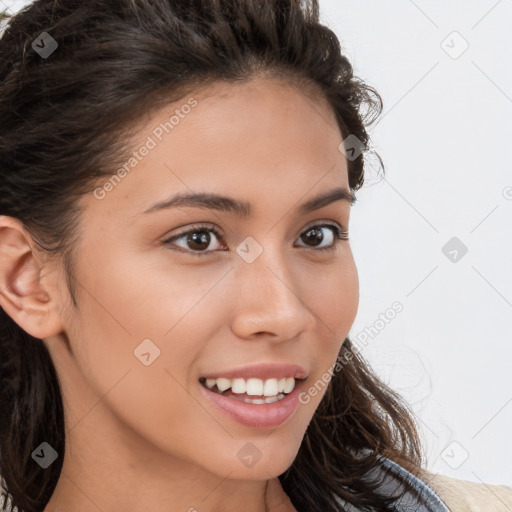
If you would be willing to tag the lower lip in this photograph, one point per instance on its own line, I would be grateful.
(256, 415)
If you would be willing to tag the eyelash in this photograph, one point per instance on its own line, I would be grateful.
(340, 234)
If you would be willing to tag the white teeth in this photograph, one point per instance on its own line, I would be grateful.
(271, 387)
(254, 386)
(238, 386)
(258, 401)
(289, 385)
(268, 400)
(223, 384)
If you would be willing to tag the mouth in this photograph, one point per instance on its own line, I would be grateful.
(254, 402)
(252, 390)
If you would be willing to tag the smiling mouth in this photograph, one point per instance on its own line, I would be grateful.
(253, 391)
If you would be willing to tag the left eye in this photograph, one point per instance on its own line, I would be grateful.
(199, 238)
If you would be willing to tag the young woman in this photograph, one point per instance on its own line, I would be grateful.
(177, 285)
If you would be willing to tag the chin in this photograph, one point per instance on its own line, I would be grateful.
(258, 460)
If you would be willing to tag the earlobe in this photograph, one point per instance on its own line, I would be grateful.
(22, 293)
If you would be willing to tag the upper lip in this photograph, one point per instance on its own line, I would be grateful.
(261, 371)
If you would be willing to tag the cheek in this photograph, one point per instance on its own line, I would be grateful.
(149, 321)
(333, 296)
(334, 299)
(137, 335)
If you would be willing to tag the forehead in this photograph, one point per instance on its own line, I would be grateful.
(260, 139)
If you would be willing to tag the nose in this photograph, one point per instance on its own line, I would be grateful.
(271, 299)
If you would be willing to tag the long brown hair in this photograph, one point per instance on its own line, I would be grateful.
(66, 117)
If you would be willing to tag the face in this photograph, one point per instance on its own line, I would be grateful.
(168, 296)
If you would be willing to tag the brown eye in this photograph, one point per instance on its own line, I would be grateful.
(315, 235)
(197, 240)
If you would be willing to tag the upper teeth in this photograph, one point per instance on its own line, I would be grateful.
(253, 386)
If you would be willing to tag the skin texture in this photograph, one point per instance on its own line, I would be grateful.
(144, 437)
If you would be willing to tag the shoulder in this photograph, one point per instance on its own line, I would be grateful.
(446, 494)
(462, 495)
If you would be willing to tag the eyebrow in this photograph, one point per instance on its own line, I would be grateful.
(243, 208)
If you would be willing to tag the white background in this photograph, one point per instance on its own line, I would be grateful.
(445, 138)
